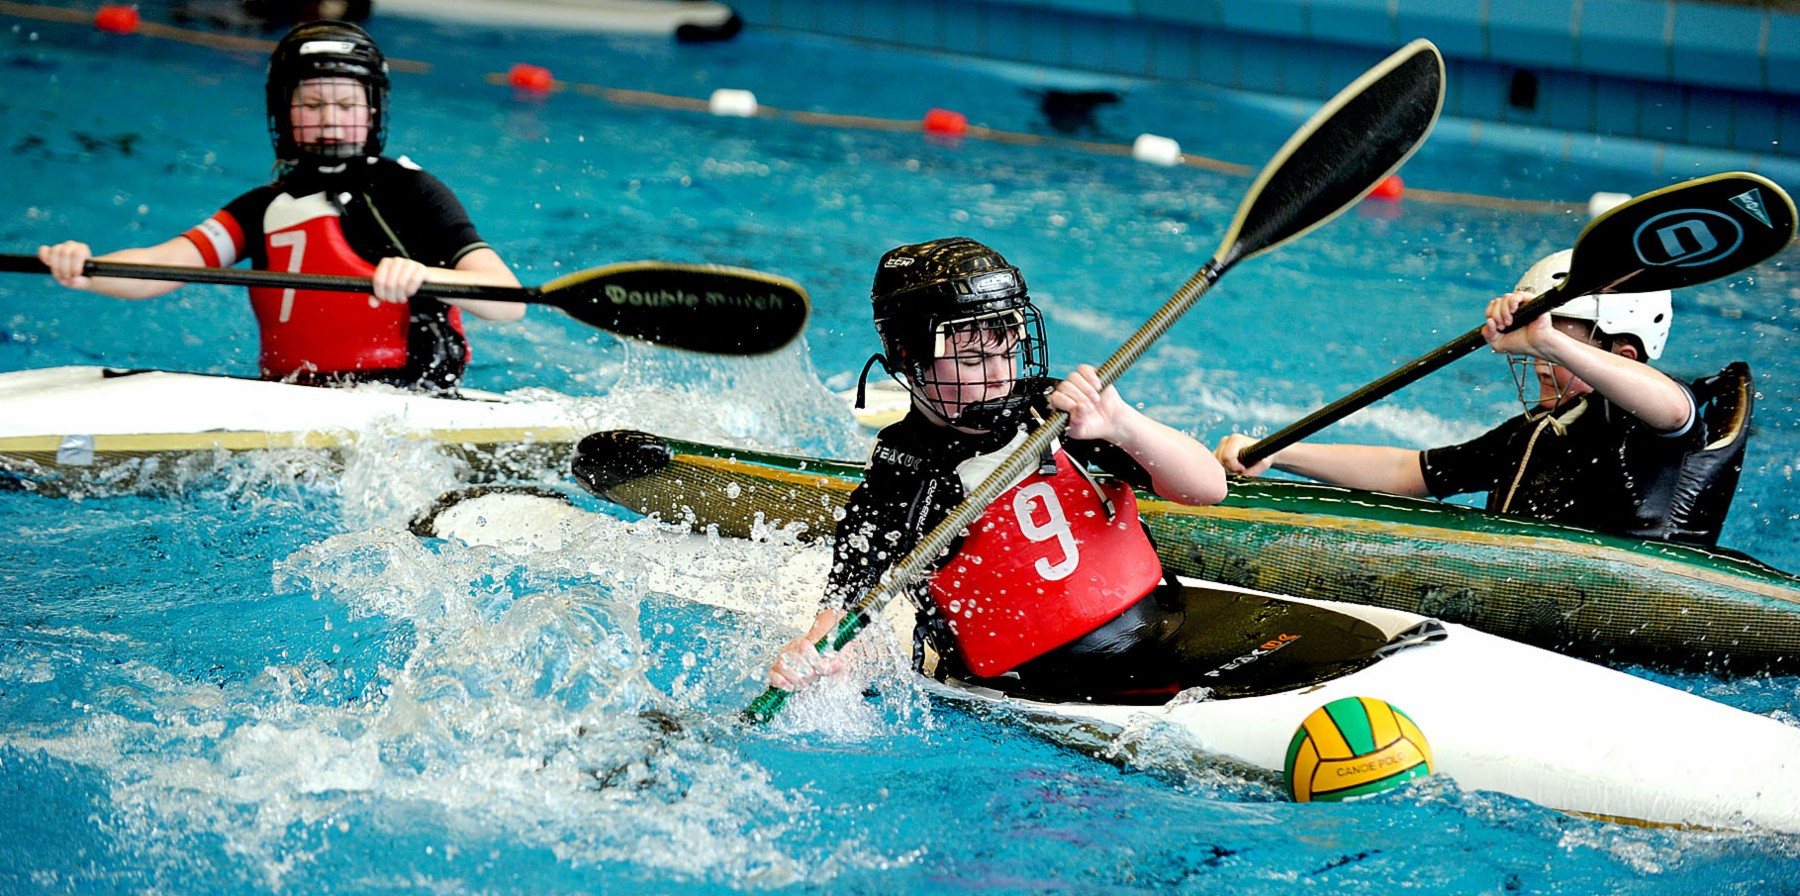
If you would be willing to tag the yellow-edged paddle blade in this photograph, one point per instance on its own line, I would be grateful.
(1358, 138)
(697, 307)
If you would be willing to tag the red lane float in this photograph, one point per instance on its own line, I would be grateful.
(530, 78)
(117, 18)
(1389, 190)
(945, 123)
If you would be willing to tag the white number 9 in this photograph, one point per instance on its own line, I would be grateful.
(1056, 527)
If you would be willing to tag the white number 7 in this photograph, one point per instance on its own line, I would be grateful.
(1057, 527)
(297, 240)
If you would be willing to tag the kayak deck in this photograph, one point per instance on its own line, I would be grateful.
(1554, 730)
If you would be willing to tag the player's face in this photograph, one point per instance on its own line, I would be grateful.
(331, 113)
(978, 362)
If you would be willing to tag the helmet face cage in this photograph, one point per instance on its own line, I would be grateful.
(1531, 391)
(987, 354)
(1644, 317)
(319, 50)
(958, 300)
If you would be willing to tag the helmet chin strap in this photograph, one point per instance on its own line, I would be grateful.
(312, 165)
(992, 415)
(862, 381)
(920, 400)
(980, 417)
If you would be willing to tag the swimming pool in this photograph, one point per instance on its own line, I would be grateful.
(263, 683)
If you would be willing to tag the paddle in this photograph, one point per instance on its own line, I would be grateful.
(697, 307)
(1349, 146)
(1677, 236)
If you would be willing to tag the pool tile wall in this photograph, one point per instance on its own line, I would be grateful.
(1681, 73)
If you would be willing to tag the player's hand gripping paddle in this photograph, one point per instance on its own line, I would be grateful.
(697, 307)
(1677, 236)
(1337, 157)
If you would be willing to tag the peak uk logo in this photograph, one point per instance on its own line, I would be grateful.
(1751, 202)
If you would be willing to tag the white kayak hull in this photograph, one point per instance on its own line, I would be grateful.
(63, 426)
(67, 430)
(1505, 717)
(1500, 716)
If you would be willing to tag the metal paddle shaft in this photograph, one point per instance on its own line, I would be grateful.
(1681, 235)
(696, 307)
(1358, 138)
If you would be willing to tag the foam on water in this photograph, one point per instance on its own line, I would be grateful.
(503, 704)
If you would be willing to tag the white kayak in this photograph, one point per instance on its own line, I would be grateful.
(65, 429)
(1499, 715)
(599, 16)
(61, 427)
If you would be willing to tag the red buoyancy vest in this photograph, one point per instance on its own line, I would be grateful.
(324, 332)
(1043, 566)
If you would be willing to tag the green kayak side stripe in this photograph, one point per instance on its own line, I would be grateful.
(1699, 568)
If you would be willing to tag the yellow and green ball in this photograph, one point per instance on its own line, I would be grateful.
(1354, 747)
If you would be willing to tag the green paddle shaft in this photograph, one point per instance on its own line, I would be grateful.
(1360, 137)
(696, 307)
(1680, 235)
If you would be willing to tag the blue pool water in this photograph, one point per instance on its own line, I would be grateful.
(262, 683)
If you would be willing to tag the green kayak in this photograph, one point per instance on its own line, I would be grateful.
(1599, 597)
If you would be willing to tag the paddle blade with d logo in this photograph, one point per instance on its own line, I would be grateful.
(1686, 234)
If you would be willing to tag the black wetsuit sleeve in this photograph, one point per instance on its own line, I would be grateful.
(1110, 459)
(885, 516)
(1473, 466)
(865, 545)
(413, 214)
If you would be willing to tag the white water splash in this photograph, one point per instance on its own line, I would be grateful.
(508, 702)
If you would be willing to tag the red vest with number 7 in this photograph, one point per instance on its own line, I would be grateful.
(316, 331)
(1043, 566)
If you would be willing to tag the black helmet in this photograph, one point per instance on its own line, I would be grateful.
(924, 291)
(325, 49)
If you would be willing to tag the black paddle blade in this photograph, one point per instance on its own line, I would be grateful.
(1690, 233)
(1681, 235)
(697, 307)
(1348, 147)
(1362, 135)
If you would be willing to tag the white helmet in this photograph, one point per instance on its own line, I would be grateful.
(1646, 315)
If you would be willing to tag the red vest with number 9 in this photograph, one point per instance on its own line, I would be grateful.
(1043, 566)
